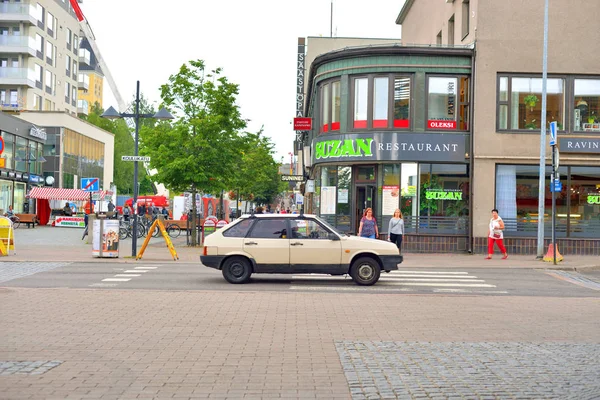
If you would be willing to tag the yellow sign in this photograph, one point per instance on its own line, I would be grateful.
(2, 162)
(158, 225)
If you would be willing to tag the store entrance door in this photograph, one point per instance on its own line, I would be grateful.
(365, 198)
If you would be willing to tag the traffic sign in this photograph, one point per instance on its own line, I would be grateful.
(90, 184)
(556, 186)
(292, 178)
(1, 145)
(135, 158)
(553, 128)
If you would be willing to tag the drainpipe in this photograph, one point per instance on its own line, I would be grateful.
(471, 147)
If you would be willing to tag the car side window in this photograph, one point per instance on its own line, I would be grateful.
(308, 229)
(269, 229)
(240, 229)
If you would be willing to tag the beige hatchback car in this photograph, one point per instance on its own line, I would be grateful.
(295, 244)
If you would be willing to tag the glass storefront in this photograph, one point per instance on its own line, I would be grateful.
(6, 193)
(577, 205)
(433, 198)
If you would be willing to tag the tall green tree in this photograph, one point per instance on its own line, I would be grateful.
(200, 151)
(257, 177)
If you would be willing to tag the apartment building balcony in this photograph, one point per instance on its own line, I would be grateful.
(83, 82)
(17, 77)
(16, 12)
(17, 44)
(85, 57)
(82, 107)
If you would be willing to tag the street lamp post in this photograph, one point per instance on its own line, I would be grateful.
(162, 114)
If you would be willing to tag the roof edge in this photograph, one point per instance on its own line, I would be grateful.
(405, 9)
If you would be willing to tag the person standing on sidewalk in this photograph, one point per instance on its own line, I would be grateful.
(496, 235)
(88, 208)
(368, 225)
(396, 229)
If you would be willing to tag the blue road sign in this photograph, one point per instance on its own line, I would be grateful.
(553, 128)
(90, 184)
(556, 186)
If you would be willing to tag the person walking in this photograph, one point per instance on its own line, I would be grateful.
(368, 225)
(496, 235)
(126, 212)
(88, 208)
(396, 229)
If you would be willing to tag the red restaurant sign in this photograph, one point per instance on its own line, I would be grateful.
(433, 124)
(302, 124)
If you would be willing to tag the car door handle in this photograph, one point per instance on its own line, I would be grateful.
(297, 244)
(250, 243)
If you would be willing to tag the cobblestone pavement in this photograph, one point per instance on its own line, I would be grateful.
(13, 270)
(156, 344)
(492, 370)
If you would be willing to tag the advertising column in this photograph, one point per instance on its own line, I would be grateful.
(105, 238)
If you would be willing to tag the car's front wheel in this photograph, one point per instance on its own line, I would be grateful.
(365, 271)
(237, 270)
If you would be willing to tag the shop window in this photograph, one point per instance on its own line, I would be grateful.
(330, 106)
(344, 194)
(584, 202)
(409, 204)
(381, 102)
(443, 198)
(587, 105)
(520, 103)
(448, 103)
(365, 173)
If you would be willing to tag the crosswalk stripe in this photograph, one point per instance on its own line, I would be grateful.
(135, 271)
(469, 291)
(448, 284)
(116, 279)
(433, 272)
(146, 267)
(391, 274)
(127, 275)
(436, 279)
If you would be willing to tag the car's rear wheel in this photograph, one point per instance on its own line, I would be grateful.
(237, 270)
(365, 271)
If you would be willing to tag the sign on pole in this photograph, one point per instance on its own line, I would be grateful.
(90, 184)
(135, 158)
(302, 124)
(553, 128)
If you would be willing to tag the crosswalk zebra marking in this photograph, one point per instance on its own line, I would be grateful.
(402, 280)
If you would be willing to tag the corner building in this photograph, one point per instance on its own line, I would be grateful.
(508, 40)
(392, 129)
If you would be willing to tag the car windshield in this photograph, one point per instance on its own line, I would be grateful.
(330, 227)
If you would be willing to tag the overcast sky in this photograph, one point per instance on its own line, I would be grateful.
(255, 42)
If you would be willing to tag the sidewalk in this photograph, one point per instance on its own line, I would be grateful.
(46, 243)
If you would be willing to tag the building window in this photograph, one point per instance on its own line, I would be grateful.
(451, 31)
(39, 46)
(14, 102)
(51, 25)
(325, 114)
(49, 53)
(49, 82)
(69, 38)
(448, 103)
(39, 14)
(443, 198)
(577, 205)
(67, 92)
(68, 65)
(37, 102)
(74, 69)
(39, 76)
(520, 106)
(466, 14)
(381, 102)
(587, 105)
(438, 39)
(335, 105)
(75, 44)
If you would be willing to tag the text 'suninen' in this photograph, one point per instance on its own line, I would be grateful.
(364, 148)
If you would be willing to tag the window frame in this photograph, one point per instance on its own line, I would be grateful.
(327, 86)
(457, 104)
(392, 76)
(255, 225)
(568, 90)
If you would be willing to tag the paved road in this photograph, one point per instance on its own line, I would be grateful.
(192, 276)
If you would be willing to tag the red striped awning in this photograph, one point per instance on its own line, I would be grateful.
(63, 194)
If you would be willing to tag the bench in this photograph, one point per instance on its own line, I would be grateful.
(29, 219)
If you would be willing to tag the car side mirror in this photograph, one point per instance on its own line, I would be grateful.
(332, 236)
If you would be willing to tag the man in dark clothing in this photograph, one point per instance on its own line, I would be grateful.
(142, 209)
(111, 206)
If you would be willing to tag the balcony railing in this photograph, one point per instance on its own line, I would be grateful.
(17, 44)
(82, 107)
(17, 13)
(84, 57)
(17, 76)
(83, 82)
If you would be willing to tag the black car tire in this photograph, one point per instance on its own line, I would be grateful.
(237, 270)
(365, 271)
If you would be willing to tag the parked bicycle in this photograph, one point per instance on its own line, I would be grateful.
(15, 221)
(173, 230)
(126, 229)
